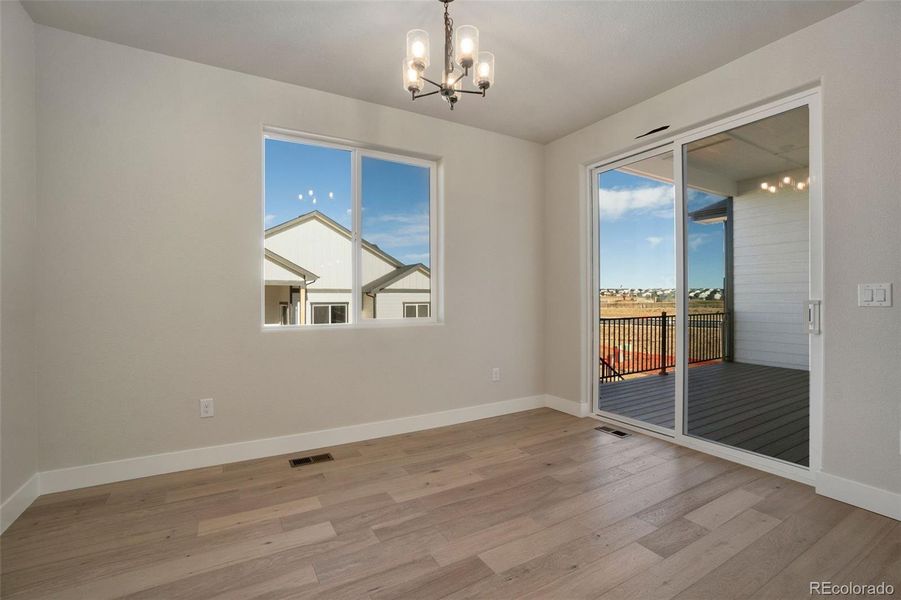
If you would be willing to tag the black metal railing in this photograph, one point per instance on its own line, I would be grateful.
(641, 344)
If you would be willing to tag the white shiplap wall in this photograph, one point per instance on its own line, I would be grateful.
(771, 262)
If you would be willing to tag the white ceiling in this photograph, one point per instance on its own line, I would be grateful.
(561, 65)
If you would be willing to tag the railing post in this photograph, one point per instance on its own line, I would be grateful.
(663, 344)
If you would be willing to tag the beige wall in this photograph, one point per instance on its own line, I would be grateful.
(18, 409)
(149, 204)
(856, 55)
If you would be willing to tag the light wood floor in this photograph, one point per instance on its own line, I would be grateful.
(532, 505)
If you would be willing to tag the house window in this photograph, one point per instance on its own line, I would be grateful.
(416, 310)
(327, 314)
(348, 234)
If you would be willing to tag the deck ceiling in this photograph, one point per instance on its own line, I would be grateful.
(779, 143)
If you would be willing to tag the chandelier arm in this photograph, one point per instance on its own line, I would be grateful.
(424, 78)
(415, 96)
(481, 93)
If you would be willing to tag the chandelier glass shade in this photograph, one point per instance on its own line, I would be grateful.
(461, 57)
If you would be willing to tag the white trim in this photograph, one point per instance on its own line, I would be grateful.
(817, 270)
(356, 240)
(19, 500)
(865, 496)
(576, 409)
(681, 217)
(144, 466)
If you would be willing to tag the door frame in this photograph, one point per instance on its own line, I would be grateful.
(810, 98)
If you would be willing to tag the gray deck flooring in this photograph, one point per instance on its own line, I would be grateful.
(757, 408)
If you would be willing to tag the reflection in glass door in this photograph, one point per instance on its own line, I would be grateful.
(636, 274)
(747, 249)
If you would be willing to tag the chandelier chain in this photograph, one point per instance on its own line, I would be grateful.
(448, 42)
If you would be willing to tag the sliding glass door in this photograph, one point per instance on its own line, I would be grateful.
(706, 255)
(636, 261)
(748, 283)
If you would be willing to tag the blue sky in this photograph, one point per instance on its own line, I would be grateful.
(395, 196)
(637, 229)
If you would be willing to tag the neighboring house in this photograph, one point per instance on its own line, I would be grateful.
(308, 276)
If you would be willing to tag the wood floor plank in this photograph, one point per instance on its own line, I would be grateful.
(535, 504)
(183, 566)
(669, 577)
(599, 576)
(672, 537)
(256, 515)
(835, 550)
(718, 511)
(562, 561)
(745, 573)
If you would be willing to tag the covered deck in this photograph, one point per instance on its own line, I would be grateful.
(753, 407)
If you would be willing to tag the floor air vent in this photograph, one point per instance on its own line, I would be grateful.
(309, 460)
(612, 431)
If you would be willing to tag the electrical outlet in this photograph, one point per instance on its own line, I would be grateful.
(206, 408)
(496, 374)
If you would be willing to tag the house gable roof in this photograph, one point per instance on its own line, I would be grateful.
(283, 262)
(341, 229)
(377, 285)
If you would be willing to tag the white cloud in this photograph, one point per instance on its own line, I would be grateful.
(415, 257)
(696, 240)
(654, 240)
(392, 230)
(270, 218)
(655, 200)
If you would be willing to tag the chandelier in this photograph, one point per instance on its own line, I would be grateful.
(455, 67)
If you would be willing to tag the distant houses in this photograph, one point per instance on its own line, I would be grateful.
(308, 275)
(659, 294)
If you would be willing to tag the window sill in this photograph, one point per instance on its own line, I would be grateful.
(374, 324)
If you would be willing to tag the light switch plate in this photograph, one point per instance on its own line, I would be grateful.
(874, 294)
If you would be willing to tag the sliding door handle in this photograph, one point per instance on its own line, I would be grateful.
(813, 317)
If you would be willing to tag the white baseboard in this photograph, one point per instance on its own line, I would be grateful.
(865, 496)
(144, 466)
(576, 409)
(21, 499)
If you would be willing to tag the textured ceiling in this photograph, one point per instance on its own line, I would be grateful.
(560, 65)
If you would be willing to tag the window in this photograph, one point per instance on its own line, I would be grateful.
(396, 237)
(416, 310)
(348, 234)
(329, 313)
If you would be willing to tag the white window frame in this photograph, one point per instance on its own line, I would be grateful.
(436, 228)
